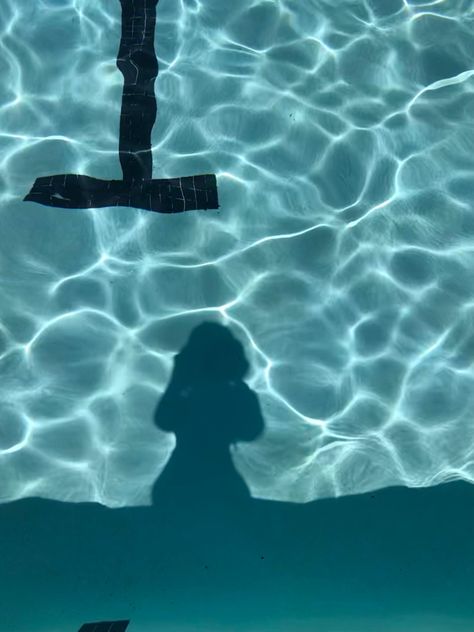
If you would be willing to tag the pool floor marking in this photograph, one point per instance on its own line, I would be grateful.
(105, 626)
(138, 64)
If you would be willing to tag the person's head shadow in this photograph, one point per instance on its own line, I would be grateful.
(209, 408)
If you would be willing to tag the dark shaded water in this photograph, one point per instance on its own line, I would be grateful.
(398, 559)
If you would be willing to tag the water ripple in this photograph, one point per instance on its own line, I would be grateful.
(341, 256)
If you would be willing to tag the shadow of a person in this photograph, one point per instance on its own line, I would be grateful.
(209, 554)
(209, 408)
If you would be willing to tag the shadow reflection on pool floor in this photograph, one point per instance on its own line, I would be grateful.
(206, 556)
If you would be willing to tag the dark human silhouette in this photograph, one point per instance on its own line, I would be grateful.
(209, 408)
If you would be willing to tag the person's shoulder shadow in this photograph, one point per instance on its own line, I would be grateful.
(209, 408)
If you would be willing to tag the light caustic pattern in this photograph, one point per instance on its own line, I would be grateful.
(341, 257)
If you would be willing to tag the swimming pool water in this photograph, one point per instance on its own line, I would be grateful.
(341, 255)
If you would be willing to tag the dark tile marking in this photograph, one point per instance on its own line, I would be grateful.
(139, 66)
(105, 626)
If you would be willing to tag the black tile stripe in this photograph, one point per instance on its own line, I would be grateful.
(137, 62)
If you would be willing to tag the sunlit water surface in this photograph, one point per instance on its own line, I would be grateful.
(341, 256)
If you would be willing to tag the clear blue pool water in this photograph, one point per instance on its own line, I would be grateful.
(340, 261)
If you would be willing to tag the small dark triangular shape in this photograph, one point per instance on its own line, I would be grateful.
(105, 626)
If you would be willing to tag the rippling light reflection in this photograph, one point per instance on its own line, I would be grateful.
(341, 256)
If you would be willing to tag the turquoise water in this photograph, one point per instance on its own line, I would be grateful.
(340, 261)
(340, 257)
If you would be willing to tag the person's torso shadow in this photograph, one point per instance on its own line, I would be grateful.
(209, 408)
